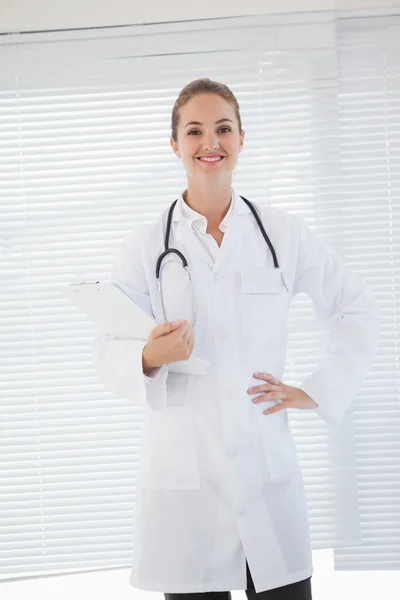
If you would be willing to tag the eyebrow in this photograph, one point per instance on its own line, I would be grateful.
(198, 123)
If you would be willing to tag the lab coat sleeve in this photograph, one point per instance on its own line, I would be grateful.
(346, 308)
(118, 363)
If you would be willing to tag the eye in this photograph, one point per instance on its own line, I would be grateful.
(197, 131)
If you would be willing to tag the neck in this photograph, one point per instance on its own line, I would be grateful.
(212, 202)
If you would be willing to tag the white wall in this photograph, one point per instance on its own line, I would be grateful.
(40, 15)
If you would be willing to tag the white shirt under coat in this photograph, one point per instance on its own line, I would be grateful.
(198, 223)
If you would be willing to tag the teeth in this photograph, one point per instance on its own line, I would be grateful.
(212, 159)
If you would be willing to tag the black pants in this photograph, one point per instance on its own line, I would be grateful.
(301, 590)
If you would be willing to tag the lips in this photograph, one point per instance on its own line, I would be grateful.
(217, 156)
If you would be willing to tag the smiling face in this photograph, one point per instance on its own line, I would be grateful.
(208, 127)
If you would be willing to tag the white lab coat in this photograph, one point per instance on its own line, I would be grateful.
(219, 481)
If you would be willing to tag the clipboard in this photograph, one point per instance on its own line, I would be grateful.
(121, 318)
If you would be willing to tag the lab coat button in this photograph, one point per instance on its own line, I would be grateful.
(240, 511)
(232, 453)
(218, 277)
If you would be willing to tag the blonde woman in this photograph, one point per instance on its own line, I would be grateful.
(220, 500)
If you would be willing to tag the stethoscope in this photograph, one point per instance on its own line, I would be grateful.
(169, 250)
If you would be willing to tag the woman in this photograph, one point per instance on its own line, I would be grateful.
(220, 502)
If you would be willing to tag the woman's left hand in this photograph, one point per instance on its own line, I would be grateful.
(290, 397)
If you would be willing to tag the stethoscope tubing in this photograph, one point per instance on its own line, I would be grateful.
(168, 250)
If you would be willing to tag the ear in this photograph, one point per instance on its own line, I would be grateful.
(241, 141)
(174, 147)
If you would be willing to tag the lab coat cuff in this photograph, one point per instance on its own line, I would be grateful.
(155, 382)
(151, 375)
(118, 365)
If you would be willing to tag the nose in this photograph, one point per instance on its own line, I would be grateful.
(210, 142)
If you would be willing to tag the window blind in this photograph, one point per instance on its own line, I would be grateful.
(85, 126)
(369, 133)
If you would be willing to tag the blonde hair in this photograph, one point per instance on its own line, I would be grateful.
(202, 86)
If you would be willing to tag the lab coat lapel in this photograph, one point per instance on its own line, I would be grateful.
(186, 236)
(239, 223)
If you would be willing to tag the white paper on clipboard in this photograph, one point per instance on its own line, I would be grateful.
(121, 318)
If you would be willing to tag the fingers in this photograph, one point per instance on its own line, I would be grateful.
(184, 328)
(267, 377)
(285, 395)
(169, 327)
(273, 390)
(191, 345)
(185, 337)
(186, 341)
(277, 408)
(268, 397)
(188, 336)
(164, 328)
(266, 387)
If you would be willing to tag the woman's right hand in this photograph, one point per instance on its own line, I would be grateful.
(168, 342)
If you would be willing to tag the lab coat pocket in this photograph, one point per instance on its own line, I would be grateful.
(262, 304)
(261, 280)
(279, 446)
(168, 452)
